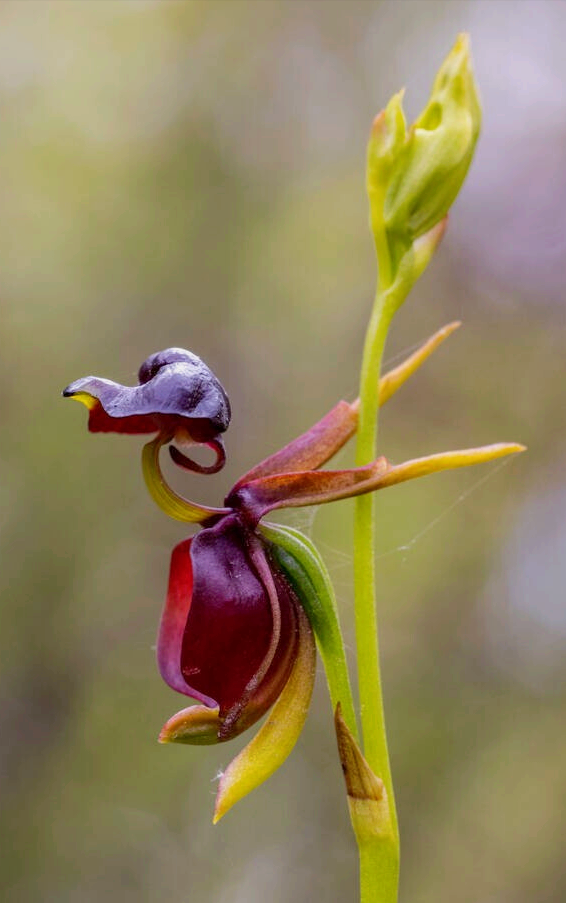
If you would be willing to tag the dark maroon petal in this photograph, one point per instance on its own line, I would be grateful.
(176, 390)
(311, 487)
(174, 618)
(230, 631)
(311, 449)
(267, 684)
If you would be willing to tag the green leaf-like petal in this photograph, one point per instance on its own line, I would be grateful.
(301, 562)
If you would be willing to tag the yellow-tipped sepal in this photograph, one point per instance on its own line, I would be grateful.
(280, 731)
(422, 467)
(394, 379)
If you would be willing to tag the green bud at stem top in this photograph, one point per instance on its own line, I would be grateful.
(415, 175)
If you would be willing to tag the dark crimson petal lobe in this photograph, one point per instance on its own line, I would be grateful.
(268, 682)
(174, 618)
(177, 390)
(229, 631)
(311, 449)
(202, 726)
(311, 487)
(230, 625)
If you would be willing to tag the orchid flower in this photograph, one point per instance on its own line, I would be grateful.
(245, 599)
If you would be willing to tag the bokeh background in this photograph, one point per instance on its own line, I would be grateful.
(192, 173)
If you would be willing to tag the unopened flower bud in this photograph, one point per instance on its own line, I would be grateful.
(420, 175)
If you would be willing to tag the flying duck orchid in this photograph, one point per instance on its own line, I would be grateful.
(246, 598)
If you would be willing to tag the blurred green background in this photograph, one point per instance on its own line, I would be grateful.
(192, 173)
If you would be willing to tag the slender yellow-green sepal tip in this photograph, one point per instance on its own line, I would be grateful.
(390, 382)
(367, 796)
(277, 736)
(422, 467)
(174, 505)
(197, 726)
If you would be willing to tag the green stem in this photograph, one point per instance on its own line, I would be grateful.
(378, 880)
(379, 866)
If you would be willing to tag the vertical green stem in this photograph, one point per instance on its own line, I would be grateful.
(379, 872)
(379, 867)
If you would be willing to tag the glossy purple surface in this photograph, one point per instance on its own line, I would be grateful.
(176, 390)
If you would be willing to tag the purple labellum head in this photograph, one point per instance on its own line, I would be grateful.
(177, 394)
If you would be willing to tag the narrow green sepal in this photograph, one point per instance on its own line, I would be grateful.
(305, 569)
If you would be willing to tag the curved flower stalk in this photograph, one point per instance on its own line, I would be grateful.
(245, 597)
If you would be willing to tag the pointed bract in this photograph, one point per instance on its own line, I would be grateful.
(367, 796)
